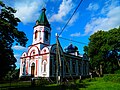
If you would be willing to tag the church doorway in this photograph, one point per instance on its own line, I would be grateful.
(32, 69)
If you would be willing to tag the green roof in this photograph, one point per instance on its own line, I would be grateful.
(42, 20)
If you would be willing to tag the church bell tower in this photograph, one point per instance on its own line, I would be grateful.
(42, 31)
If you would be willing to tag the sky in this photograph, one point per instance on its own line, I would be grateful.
(91, 16)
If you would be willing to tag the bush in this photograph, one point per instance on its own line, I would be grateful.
(112, 77)
(41, 81)
(117, 72)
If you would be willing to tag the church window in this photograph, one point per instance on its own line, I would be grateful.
(84, 68)
(46, 35)
(73, 64)
(33, 53)
(36, 34)
(44, 50)
(54, 64)
(24, 64)
(67, 66)
(44, 66)
(79, 66)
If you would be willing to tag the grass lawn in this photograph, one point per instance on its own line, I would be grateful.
(6, 86)
(100, 84)
(87, 84)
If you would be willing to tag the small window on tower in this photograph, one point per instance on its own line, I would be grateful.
(46, 35)
(36, 32)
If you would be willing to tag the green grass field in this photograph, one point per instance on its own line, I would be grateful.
(102, 83)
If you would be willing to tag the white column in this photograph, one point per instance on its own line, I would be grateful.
(21, 68)
(28, 60)
(52, 66)
(39, 65)
(48, 65)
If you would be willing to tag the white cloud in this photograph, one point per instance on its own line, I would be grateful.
(19, 48)
(17, 56)
(65, 7)
(74, 18)
(93, 6)
(111, 19)
(109, 5)
(28, 10)
(75, 34)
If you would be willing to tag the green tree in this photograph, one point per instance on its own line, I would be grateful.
(101, 43)
(8, 35)
(86, 49)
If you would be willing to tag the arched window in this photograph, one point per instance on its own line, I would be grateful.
(46, 35)
(33, 54)
(73, 66)
(44, 66)
(24, 64)
(36, 32)
(79, 66)
(67, 63)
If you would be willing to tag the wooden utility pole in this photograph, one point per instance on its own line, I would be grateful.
(58, 62)
(59, 58)
(56, 59)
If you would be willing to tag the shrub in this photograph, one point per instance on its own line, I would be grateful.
(117, 72)
(112, 77)
(41, 81)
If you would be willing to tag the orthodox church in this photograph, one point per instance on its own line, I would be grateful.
(41, 58)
